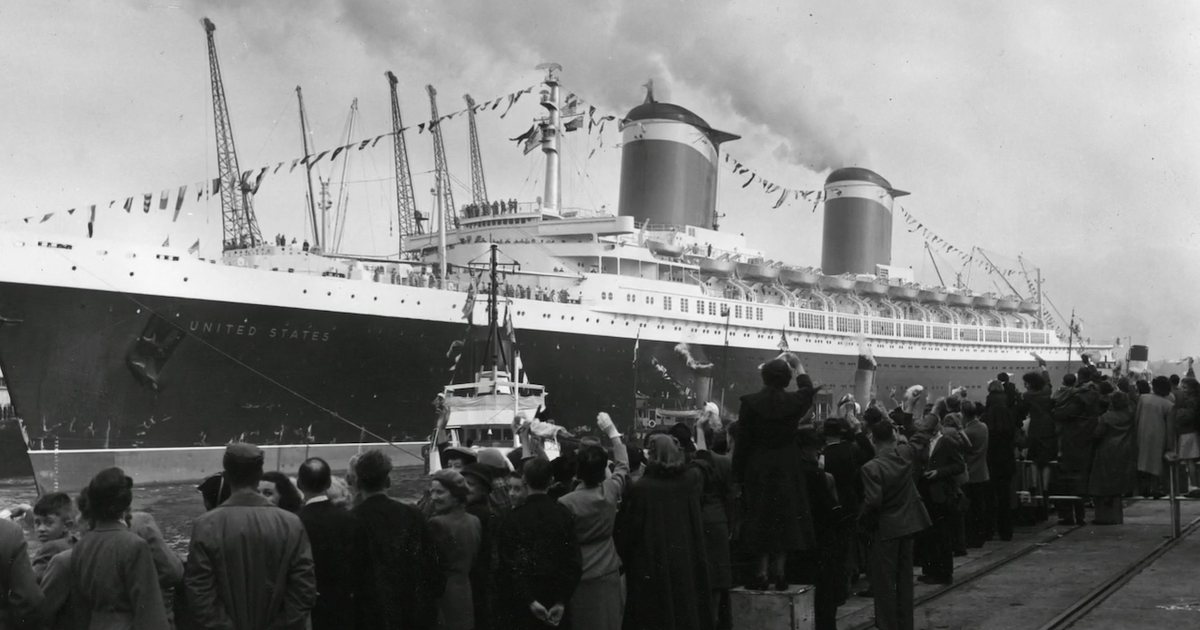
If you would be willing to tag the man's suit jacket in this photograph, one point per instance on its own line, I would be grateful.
(890, 495)
(332, 531)
(947, 461)
(397, 566)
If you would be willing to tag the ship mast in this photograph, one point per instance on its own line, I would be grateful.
(312, 198)
(238, 223)
(442, 171)
(406, 201)
(552, 201)
(479, 195)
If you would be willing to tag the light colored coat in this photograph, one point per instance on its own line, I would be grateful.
(1153, 417)
(249, 567)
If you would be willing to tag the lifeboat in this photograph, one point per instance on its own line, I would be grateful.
(753, 271)
(1008, 304)
(986, 301)
(936, 297)
(799, 277)
(958, 299)
(1028, 306)
(714, 267)
(837, 283)
(664, 248)
(871, 288)
(904, 294)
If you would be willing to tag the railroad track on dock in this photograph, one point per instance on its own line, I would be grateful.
(1077, 610)
(1086, 604)
(1046, 539)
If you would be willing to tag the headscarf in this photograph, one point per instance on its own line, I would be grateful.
(665, 451)
(453, 482)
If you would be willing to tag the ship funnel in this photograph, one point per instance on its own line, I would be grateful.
(669, 163)
(858, 222)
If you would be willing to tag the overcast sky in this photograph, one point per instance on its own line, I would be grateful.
(1061, 132)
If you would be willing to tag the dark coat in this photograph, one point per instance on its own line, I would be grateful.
(114, 583)
(660, 538)
(332, 531)
(891, 507)
(22, 600)
(540, 561)
(249, 566)
(776, 515)
(1039, 407)
(947, 460)
(1077, 412)
(397, 566)
(844, 460)
(485, 566)
(1114, 469)
(1001, 435)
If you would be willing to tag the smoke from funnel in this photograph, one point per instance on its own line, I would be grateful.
(607, 50)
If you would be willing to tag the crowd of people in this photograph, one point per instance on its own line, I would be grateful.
(610, 534)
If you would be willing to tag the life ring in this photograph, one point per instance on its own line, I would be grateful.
(241, 261)
(651, 423)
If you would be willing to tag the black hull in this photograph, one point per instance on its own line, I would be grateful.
(102, 370)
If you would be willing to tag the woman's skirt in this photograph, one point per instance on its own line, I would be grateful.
(1189, 447)
(598, 603)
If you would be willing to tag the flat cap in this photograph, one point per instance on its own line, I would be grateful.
(242, 453)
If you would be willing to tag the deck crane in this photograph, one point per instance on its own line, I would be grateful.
(442, 172)
(479, 195)
(406, 201)
(317, 233)
(238, 223)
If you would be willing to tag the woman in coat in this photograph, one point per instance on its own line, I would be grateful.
(776, 519)
(1114, 469)
(114, 583)
(599, 601)
(660, 539)
(1187, 423)
(458, 536)
(1154, 435)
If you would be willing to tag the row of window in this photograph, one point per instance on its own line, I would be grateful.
(814, 321)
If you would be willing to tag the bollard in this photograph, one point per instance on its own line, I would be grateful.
(755, 610)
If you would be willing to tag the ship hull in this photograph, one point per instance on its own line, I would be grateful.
(157, 384)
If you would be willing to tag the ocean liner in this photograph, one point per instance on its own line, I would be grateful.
(153, 359)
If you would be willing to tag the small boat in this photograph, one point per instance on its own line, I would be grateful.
(958, 299)
(929, 295)
(986, 301)
(1008, 304)
(1028, 306)
(871, 288)
(755, 271)
(837, 283)
(665, 248)
(486, 411)
(714, 267)
(904, 294)
(804, 278)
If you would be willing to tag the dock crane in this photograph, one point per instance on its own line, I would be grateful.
(406, 201)
(479, 195)
(442, 172)
(238, 223)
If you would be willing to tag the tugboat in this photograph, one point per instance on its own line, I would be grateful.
(488, 410)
